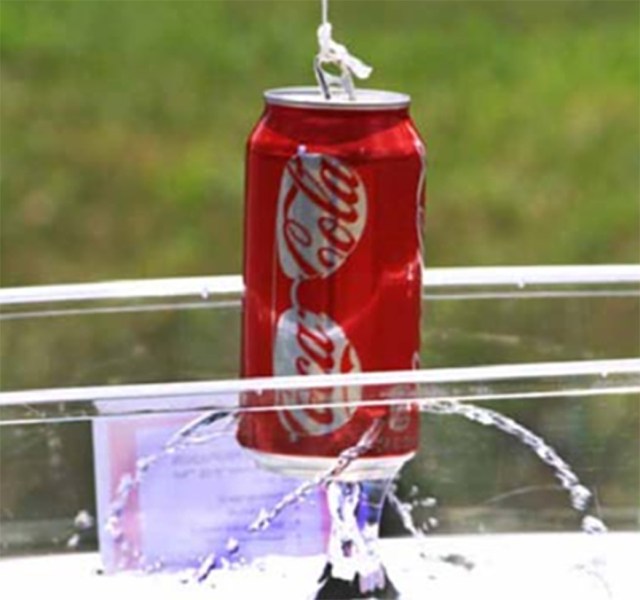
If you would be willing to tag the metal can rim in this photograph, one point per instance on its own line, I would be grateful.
(311, 97)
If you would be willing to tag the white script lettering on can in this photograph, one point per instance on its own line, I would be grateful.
(322, 210)
(313, 344)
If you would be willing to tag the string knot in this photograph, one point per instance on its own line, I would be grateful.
(337, 54)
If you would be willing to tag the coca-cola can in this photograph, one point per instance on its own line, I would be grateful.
(332, 271)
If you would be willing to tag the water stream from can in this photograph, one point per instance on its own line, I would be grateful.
(211, 426)
(580, 496)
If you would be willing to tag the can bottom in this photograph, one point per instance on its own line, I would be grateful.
(309, 467)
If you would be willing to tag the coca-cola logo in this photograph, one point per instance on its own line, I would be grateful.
(322, 210)
(308, 343)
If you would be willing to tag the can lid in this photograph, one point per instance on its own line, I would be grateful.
(311, 97)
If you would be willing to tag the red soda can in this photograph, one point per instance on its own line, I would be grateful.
(332, 270)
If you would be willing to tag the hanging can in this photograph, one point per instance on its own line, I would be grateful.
(332, 271)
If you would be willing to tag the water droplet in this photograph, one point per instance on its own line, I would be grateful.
(83, 520)
(458, 560)
(143, 464)
(593, 525)
(262, 521)
(232, 545)
(116, 509)
(185, 576)
(205, 567)
(484, 418)
(580, 497)
(545, 453)
(113, 528)
(567, 479)
(126, 483)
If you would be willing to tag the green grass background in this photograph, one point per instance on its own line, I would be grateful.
(124, 124)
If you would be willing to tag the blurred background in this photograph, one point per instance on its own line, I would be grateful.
(123, 136)
(124, 125)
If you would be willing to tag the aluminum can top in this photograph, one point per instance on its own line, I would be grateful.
(312, 97)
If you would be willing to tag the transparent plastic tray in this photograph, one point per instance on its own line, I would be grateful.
(554, 349)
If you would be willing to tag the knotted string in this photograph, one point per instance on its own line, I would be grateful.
(333, 53)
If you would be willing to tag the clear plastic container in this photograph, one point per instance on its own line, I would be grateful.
(530, 390)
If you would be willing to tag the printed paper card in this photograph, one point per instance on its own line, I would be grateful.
(195, 502)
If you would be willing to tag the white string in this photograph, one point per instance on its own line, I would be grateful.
(337, 54)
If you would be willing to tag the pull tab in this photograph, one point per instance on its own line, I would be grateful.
(333, 53)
